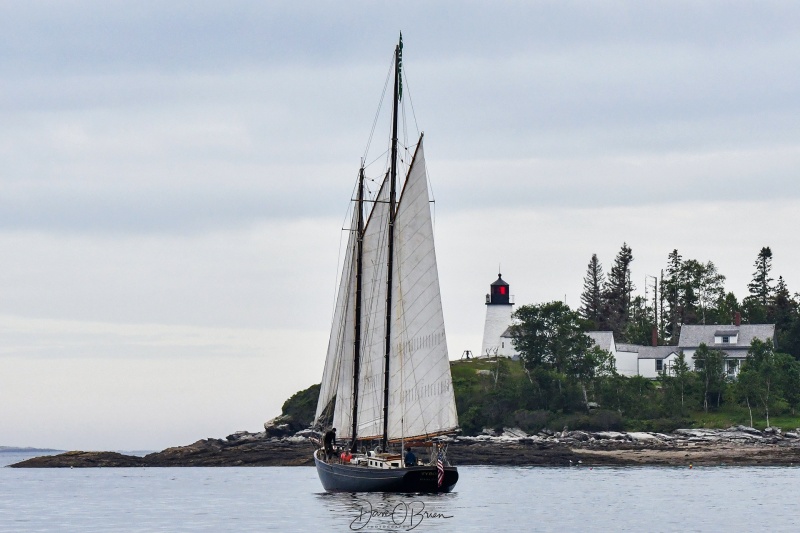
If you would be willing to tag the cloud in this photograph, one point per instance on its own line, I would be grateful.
(175, 177)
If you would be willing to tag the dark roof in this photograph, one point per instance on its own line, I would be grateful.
(656, 352)
(692, 336)
(499, 281)
(622, 347)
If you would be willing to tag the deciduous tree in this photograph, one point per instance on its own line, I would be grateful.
(710, 365)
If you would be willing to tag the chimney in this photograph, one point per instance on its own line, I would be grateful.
(655, 336)
(737, 319)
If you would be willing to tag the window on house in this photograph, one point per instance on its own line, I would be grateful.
(732, 365)
(726, 339)
(659, 365)
(502, 344)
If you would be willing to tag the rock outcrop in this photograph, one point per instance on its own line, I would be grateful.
(739, 445)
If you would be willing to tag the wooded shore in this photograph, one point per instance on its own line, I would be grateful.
(740, 446)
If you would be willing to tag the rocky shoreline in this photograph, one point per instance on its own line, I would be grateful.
(738, 445)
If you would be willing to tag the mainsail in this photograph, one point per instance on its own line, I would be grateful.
(421, 400)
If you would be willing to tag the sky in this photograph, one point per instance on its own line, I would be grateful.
(174, 177)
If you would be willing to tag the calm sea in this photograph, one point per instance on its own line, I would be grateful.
(488, 499)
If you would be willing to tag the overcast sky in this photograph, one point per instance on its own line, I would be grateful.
(174, 177)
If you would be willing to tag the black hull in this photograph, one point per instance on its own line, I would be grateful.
(352, 478)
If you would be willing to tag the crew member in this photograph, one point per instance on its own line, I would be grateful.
(411, 459)
(328, 441)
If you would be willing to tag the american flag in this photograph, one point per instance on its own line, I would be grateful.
(440, 469)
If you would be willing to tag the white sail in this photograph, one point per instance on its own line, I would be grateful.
(373, 315)
(340, 344)
(421, 398)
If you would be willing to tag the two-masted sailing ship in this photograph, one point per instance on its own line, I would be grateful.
(387, 385)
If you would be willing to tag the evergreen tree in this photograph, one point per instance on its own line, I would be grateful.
(639, 328)
(617, 292)
(760, 288)
(782, 308)
(592, 296)
(785, 314)
(671, 289)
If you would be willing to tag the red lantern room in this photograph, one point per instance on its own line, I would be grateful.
(499, 293)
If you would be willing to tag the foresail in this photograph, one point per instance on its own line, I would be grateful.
(421, 399)
(373, 315)
(339, 360)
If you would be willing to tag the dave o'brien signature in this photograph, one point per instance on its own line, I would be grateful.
(407, 515)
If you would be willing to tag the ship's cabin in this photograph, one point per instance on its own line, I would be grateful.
(384, 460)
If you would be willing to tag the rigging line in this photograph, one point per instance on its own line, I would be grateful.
(375, 160)
(380, 106)
(432, 199)
(347, 215)
(405, 132)
(407, 88)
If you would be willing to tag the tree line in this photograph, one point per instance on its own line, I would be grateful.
(688, 291)
(565, 372)
(565, 375)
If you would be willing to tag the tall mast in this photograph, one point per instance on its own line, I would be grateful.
(359, 266)
(398, 51)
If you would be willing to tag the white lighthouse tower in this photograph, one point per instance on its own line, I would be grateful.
(498, 317)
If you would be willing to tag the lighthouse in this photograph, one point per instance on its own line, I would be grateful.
(496, 340)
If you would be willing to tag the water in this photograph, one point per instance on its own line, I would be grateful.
(488, 499)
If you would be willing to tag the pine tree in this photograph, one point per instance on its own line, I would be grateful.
(671, 288)
(617, 292)
(592, 296)
(760, 288)
(782, 308)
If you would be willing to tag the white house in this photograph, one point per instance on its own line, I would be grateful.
(734, 340)
(651, 361)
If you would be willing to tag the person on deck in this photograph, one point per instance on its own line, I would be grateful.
(328, 441)
(411, 459)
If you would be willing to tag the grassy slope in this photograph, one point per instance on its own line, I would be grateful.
(468, 383)
(469, 386)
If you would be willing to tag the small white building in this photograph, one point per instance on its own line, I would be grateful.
(625, 360)
(499, 305)
(656, 360)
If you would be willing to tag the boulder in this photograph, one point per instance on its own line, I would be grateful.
(580, 436)
(514, 433)
(610, 435)
(638, 436)
(280, 426)
(745, 429)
